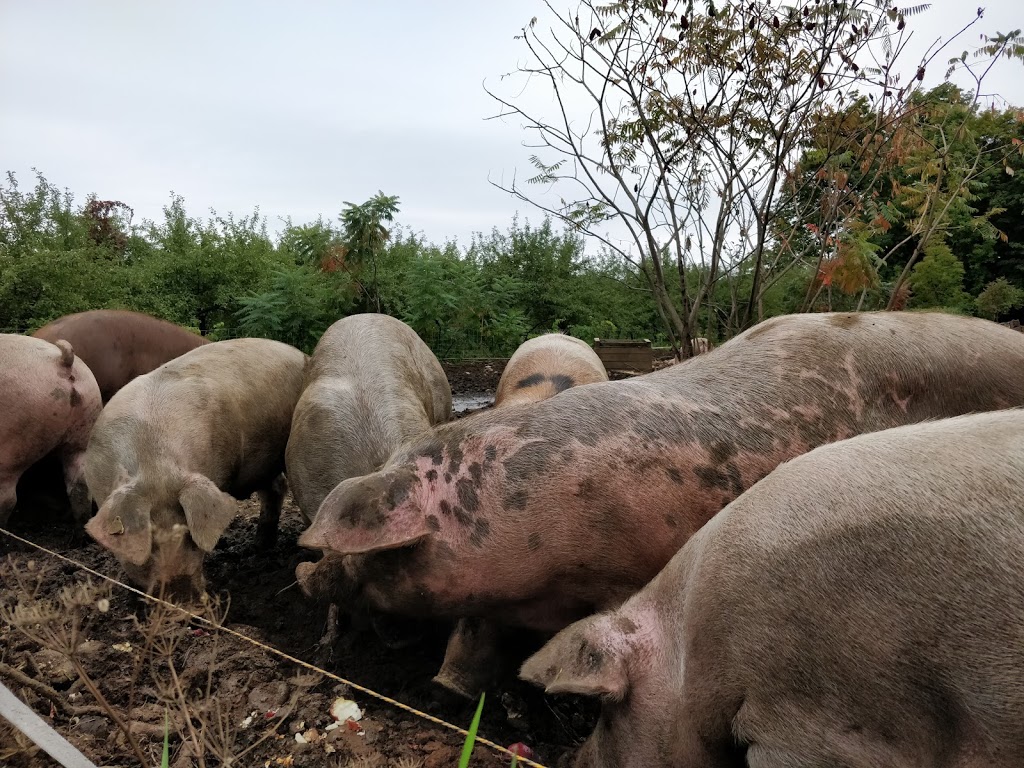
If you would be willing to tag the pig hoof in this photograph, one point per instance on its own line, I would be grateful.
(458, 686)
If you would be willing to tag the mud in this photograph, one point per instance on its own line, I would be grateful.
(249, 683)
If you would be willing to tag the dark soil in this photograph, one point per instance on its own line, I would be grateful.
(266, 605)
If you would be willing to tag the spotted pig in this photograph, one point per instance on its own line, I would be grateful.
(539, 516)
(861, 606)
(546, 365)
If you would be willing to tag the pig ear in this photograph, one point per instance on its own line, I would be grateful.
(368, 514)
(583, 659)
(208, 510)
(123, 525)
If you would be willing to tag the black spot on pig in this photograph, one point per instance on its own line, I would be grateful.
(445, 507)
(722, 478)
(490, 454)
(722, 452)
(454, 457)
(432, 475)
(530, 381)
(466, 492)
(476, 472)
(675, 475)
(448, 477)
(57, 394)
(517, 499)
(481, 530)
(76, 398)
(533, 542)
(671, 521)
(398, 489)
(435, 452)
(562, 382)
(462, 516)
(433, 523)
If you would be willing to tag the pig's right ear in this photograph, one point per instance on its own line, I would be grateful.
(123, 526)
(581, 659)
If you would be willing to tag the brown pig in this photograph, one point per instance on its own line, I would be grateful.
(539, 515)
(861, 606)
(51, 402)
(118, 345)
(546, 365)
(175, 447)
(370, 386)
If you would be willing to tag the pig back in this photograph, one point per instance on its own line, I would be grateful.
(870, 570)
(119, 345)
(52, 399)
(223, 410)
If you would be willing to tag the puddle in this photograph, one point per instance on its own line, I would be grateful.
(471, 401)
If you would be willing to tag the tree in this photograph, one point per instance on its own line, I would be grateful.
(684, 131)
(998, 298)
(365, 235)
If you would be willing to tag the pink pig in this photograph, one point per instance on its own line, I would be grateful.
(51, 403)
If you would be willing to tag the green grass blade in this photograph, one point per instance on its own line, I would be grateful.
(467, 748)
(165, 761)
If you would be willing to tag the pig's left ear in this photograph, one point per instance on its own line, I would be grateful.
(208, 510)
(584, 659)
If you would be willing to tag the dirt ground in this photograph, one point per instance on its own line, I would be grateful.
(252, 689)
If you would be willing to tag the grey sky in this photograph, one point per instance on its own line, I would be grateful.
(295, 107)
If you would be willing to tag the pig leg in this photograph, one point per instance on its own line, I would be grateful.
(8, 497)
(271, 500)
(471, 658)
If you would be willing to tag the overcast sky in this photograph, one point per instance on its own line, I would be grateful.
(294, 106)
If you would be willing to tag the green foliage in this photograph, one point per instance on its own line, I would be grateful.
(998, 298)
(227, 277)
(467, 747)
(938, 279)
(298, 306)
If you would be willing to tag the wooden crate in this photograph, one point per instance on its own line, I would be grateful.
(625, 354)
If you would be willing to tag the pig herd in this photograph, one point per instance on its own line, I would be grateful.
(802, 548)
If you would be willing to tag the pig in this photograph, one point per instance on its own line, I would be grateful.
(861, 606)
(118, 345)
(370, 386)
(536, 516)
(546, 365)
(51, 402)
(540, 368)
(175, 447)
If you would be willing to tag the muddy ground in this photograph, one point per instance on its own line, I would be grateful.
(252, 689)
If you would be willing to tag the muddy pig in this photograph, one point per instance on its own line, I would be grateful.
(370, 386)
(861, 606)
(118, 345)
(175, 447)
(537, 516)
(542, 367)
(51, 402)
